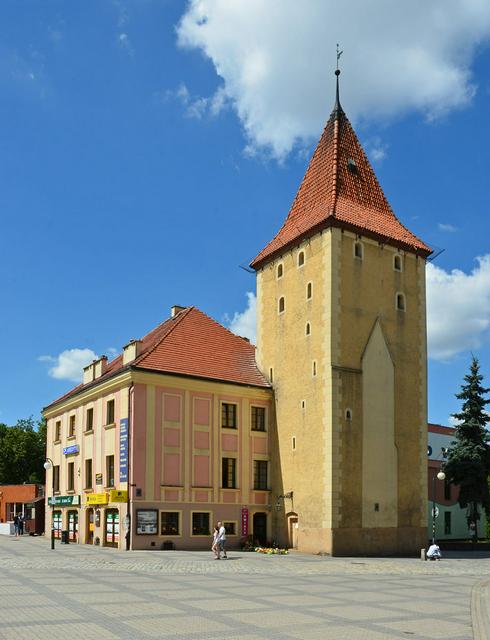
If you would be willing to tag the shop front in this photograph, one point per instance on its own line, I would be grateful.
(65, 515)
(103, 517)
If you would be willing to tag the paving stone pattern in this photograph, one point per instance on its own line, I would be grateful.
(89, 593)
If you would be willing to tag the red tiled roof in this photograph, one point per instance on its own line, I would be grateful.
(439, 428)
(191, 344)
(331, 194)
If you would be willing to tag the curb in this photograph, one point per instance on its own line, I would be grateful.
(480, 609)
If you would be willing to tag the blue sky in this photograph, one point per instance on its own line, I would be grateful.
(149, 148)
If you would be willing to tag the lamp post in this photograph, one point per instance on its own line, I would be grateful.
(440, 476)
(50, 465)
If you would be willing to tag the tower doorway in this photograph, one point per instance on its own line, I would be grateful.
(293, 531)
(260, 528)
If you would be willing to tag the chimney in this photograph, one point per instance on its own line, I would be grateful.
(131, 351)
(88, 373)
(175, 309)
(100, 367)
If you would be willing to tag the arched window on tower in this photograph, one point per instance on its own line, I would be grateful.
(309, 291)
(282, 304)
(400, 302)
(301, 258)
(280, 270)
(358, 250)
(397, 262)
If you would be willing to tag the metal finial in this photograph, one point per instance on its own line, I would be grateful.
(337, 73)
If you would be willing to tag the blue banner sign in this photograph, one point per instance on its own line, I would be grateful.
(69, 451)
(123, 450)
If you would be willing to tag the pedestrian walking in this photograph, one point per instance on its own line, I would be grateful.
(21, 525)
(215, 546)
(16, 525)
(222, 540)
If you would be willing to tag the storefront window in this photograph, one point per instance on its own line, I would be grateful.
(200, 524)
(169, 523)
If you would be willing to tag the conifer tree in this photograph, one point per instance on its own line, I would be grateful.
(468, 459)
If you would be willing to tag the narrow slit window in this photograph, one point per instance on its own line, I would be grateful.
(308, 329)
(309, 291)
(348, 414)
(358, 250)
(400, 302)
(301, 258)
(397, 263)
(282, 305)
(271, 374)
(293, 443)
(313, 368)
(280, 271)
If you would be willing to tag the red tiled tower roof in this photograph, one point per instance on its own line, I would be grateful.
(190, 344)
(340, 189)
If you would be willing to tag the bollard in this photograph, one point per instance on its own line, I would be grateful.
(423, 555)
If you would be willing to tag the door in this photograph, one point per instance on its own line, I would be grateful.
(57, 520)
(89, 523)
(260, 528)
(73, 526)
(111, 528)
(293, 531)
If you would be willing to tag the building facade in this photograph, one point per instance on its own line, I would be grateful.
(451, 522)
(175, 433)
(342, 286)
(26, 500)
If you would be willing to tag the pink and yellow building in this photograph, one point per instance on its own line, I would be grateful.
(175, 433)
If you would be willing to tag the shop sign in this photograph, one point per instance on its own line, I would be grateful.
(118, 496)
(123, 450)
(97, 498)
(63, 501)
(244, 521)
(70, 451)
(147, 521)
(98, 479)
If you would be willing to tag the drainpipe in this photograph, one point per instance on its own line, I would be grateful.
(128, 505)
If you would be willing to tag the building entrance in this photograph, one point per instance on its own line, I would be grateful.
(89, 526)
(260, 528)
(111, 528)
(73, 526)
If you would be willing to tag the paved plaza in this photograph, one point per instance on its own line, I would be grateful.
(85, 592)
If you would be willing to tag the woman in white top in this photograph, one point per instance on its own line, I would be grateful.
(215, 545)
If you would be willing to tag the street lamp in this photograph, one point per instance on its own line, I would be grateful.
(48, 464)
(440, 476)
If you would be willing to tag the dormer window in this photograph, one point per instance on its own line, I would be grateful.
(358, 250)
(351, 163)
(301, 258)
(280, 270)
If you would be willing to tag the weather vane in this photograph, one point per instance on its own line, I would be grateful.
(339, 53)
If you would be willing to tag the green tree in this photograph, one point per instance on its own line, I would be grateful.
(468, 459)
(22, 452)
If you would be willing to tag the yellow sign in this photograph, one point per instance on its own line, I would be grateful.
(118, 496)
(97, 498)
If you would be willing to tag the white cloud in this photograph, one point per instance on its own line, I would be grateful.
(68, 365)
(275, 60)
(244, 324)
(376, 149)
(125, 43)
(449, 228)
(458, 309)
(196, 106)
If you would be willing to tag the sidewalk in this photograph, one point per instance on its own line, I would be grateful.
(87, 592)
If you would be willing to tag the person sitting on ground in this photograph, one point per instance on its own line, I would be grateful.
(434, 552)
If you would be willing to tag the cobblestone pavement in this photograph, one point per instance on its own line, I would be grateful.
(86, 592)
